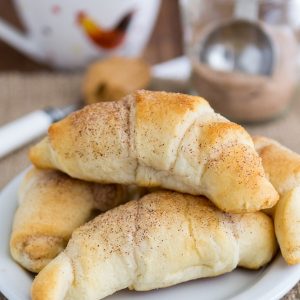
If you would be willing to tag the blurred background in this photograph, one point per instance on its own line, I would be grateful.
(241, 55)
(165, 41)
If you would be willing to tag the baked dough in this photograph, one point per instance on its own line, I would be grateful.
(151, 139)
(113, 78)
(282, 166)
(287, 225)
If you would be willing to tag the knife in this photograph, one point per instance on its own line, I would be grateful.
(22, 131)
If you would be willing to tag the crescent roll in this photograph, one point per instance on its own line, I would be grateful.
(52, 205)
(161, 240)
(287, 225)
(282, 166)
(170, 140)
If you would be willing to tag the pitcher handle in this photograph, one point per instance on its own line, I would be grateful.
(20, 41)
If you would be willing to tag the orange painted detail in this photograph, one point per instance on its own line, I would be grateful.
(107, 39)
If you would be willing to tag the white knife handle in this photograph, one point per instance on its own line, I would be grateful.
(20, 132)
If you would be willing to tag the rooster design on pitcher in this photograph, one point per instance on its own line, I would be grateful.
(104, 38)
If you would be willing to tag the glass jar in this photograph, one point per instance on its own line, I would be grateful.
(244, 94)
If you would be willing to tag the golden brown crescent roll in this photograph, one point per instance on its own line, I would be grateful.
(282, 166)
(162, 139)
(52, 206)
(161, 240)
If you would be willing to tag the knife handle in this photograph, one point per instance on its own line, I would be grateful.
(23, 130)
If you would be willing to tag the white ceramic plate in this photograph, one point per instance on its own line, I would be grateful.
(269, 283)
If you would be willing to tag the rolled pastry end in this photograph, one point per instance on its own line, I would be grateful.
(54, 281)
(36, 251)
(287, 225)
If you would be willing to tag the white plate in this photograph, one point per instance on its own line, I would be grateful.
(269, 283)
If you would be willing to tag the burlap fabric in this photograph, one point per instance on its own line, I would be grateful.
(21, 94)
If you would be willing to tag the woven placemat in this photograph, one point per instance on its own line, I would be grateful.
(21, 94)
